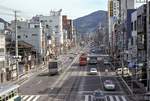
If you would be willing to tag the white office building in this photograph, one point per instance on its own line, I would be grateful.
(52, 23)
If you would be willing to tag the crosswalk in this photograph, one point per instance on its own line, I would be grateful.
(116, 98)
(107, 98)
(30, 97)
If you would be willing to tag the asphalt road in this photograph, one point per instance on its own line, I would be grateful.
(74, 84)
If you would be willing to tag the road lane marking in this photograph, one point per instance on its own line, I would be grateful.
(30, 98)
(60, 81)
(92, 98)
(86, 97)
(99, 74)
(36, 98)
(64, 73)
(24, 97)
(123, 98)
(117, 98)
(111, 98)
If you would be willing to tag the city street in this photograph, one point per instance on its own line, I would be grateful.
(75, 50)
(74, 84)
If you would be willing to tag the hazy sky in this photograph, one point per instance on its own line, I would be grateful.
(72, 8)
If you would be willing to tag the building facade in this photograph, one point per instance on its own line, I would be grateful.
(141, 39)
(68, 26)
(31, 33)
(53, 28)
(132, 46)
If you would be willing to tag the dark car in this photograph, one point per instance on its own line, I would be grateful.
(98, 95)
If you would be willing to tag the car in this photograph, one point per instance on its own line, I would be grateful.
(98, 95)
(126, 72)
(92, 60)
(109, 85)
(106, 62)
(93, 71)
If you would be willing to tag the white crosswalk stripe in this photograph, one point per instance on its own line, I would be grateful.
(88, 98)
(29, 97)
(123, 98)
(116, 98)
(107, 98)
(111, 98)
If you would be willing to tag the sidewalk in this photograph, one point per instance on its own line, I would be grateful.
(137, 88)
(25, 76)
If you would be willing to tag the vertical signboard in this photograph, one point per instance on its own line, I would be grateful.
(111, 8)
(2, 47)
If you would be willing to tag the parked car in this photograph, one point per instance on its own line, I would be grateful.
(98, 95)
(109, 85)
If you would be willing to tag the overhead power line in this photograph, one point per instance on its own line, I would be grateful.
(8, 9)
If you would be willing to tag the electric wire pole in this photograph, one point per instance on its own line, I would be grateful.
(16, 44)
(148, 47)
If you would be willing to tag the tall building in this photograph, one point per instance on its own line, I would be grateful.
(132, 46)
(125, 5)
(113, 17)
(142, 39)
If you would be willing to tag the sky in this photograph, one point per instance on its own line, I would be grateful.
(72, 8)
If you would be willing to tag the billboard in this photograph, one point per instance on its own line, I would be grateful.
(111, 8)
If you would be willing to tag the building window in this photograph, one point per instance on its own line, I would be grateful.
(135, 25)
(132, 41)
(19, 36)
(1, 50)
(56, 26)
(50, 21)
(47, 26)
(19, 27)
(132, 26)
(26, 36)
(34, 34)
(36, 26)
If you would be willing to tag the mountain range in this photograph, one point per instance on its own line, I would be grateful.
(90, 22)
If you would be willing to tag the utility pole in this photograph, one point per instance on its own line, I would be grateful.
(16, 48)
(148, 47)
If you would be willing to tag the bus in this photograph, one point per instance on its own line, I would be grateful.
(83, 60)
(9, 93)
(55, 67)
